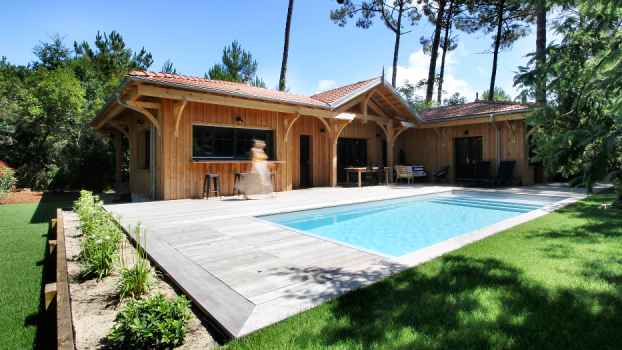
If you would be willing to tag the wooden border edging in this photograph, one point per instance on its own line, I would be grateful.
(60, 290)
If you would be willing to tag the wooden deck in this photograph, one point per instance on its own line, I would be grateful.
(245, 274)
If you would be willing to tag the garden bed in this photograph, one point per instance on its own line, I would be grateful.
(95, 303)
(39, 197)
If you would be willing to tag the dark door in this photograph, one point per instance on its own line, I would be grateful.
(350, 152)
(305, 161)
(468, 151)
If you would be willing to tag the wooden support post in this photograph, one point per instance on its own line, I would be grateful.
(52, 245)
(289, 121)
(49, 294)
(389, 132)
(118, 145)
(332, 158)
(178, 109)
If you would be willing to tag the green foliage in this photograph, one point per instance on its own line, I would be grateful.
(168, 67)
(46, 109)
(152, 323)
(579, 129)
(454, 99)
(52, 55)
(392, 13)
(7, 179)
(236, 66)
(417, 102)
(101, 236)
(498, 95)
(139, 278)
(486, 15)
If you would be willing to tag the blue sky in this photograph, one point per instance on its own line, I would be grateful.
(193, 34)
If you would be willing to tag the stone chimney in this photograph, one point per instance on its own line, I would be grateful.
(476, 96)
(247, 83)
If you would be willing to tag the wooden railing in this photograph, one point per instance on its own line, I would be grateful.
(56, 295)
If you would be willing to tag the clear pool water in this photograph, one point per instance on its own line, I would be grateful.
(399, 226)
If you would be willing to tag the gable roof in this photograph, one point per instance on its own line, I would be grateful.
(333, 95)
(226, 87)
(477, 108)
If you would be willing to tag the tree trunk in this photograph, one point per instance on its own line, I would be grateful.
(286, 46)
(540, 55)
(398, 33)
(434, 53)
(445, 46)
(496, 54)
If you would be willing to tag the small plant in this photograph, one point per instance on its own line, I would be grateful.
(138, 279)
(7, 179)
(101, 236)
(152, 323)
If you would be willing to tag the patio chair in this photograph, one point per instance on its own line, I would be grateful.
(418, 171)
(381, 175)
(442, 174)
(368, 175)
(403, 173)
(504, 173)
(481, 173)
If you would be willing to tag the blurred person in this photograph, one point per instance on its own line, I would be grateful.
(258, 179)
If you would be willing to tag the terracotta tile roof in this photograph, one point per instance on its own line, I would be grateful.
(228, 86)
(471, 109)
(333, 95)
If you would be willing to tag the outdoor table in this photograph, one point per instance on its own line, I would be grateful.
(362, 170)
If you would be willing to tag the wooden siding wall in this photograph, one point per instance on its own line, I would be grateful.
(140, 179)
(183, 178)
(424, 146)
(358, 130)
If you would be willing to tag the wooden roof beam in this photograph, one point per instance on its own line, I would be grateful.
(132, 96)
(390, 104)
(206, 97)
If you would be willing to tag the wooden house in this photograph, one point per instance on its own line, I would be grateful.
(185, 127)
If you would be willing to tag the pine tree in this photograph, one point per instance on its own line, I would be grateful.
(391, 13)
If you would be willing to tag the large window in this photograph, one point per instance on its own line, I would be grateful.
(215, 142)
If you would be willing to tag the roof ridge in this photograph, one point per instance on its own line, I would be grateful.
(144, 73)
(345, 86)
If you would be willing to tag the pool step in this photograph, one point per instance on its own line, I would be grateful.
(530, 206)
(493, 205)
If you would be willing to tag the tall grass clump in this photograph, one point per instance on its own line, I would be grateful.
(137, 276)
(101, 236)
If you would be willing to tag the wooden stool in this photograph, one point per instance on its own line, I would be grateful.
(238, 177)
(273, 180)
(207, 185)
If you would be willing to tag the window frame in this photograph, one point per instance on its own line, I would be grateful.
(233, 142)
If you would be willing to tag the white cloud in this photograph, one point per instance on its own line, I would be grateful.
(418, 66)
(324, 85)
(482, 71)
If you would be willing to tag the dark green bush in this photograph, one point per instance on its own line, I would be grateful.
(152, 323)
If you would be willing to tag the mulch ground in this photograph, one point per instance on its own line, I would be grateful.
(39, 197)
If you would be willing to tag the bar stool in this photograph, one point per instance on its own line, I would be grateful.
(238, 177)
(207, 185)
(273, 180)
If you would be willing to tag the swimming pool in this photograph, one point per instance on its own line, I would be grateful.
(395, 227)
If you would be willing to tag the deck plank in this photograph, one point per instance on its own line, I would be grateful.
(213, 251)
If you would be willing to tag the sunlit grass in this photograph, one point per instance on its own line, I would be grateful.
(554, 282)
(23, 233)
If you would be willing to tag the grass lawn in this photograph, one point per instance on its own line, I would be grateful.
(23, 233)
(552, 283)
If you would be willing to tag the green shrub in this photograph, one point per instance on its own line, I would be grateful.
(7, 179)
(101, 236)
(138, 279)
(152, 323)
